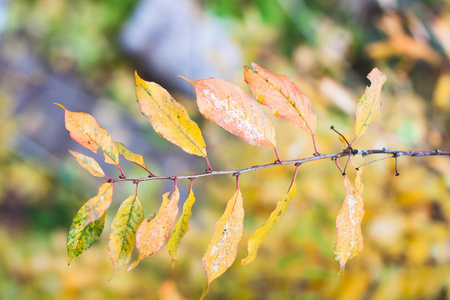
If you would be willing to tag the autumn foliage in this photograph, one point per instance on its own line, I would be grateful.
(227, 105)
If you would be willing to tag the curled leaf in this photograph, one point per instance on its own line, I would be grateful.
(350, 240)
(168, 117)
(88, 163)
(257, 238)
(98, 205)
(222, 249)
(154, 230)
(81, 237)
(282, 96)
(181, 227)
(123, 232)
(228, 106)
(85, 130)
(369, 106)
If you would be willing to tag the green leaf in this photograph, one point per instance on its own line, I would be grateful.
(81, 237)
(122, 236)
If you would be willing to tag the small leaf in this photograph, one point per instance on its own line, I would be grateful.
(123, 232)
(350, 240)
(153, 231)
(222, 249)
(281, 95)
(88, 163)
(168, 117)
(369, 105)
(85, 130)
(228, 106)
(82, 237)
(130, 156)
(257, 238)
(98, 205)
(181, 227)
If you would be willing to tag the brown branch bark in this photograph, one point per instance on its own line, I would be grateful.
(333, 156)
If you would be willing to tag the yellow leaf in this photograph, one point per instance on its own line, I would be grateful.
(98, 205)
(85, 130)
(154, 230)
(228, 106)
(441, 94)
(369, 105)
(181, 227)
(257, 238)
(168, 117)
(123, 232)
(130, 156)
(281, 95)
(88, 163)
(222, 249)
(350, 241)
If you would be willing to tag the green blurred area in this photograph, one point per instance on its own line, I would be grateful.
(327, 49)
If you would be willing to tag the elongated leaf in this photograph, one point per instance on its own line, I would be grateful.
(88, 163)
(122, 236)
(98, 205)
(130, 156)
(257, 238)
(181, 227)
(281, 95)
(228, 106)
(168, 117)
(153, 231)
(85, 130)
(81, 237)
(222, 249)
(350, 240)
(369, 106)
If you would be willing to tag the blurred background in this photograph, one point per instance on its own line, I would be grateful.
(83, 54)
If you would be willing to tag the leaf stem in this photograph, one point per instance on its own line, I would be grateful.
(316, 152)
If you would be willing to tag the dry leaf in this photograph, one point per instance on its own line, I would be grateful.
(154, 230)
(228, 106)
(281, 95)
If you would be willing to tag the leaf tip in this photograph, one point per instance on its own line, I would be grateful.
(60, 105)
(134, 265)
(186, 79)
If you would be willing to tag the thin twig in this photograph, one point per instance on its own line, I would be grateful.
(333, 156)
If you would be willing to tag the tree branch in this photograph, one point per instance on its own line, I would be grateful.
(333, 156)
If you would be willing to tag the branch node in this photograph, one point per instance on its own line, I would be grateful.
(236, 174)
(122, 176)
(136, 181)
(397, 174)
(173, 177)
(343, 174)
(384, 149)
(437, 151)
(297, 164)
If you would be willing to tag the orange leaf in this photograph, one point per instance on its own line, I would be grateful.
(222, 249)
(98, 205)
(85, 130)
(350, 241)
(228, 106)
(369, 106)
(168, 117)
(281, 95)
(154, 230)
(88, 163)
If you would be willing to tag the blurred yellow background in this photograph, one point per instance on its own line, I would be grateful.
(83, 54)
